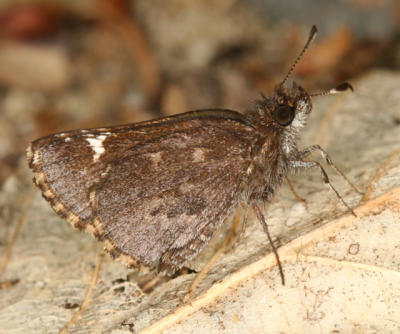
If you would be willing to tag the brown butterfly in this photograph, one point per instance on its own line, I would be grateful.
(156, 192)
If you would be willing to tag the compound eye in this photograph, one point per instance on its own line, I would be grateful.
(283, 114)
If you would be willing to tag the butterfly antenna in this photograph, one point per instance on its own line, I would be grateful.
(312, 35)
(338, 89)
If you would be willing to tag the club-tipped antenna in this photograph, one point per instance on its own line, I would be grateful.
(338, 89)
(312, 35)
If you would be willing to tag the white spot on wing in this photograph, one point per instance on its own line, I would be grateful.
(155, 158)
(186, 187)
(198, 154)
(96, 145)
(67, 139)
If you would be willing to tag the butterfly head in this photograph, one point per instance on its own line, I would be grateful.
(290, 107)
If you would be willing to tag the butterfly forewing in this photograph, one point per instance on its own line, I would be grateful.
(151, 189)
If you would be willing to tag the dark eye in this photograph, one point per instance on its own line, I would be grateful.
(283, 114)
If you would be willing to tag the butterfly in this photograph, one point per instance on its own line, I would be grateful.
(156, 192)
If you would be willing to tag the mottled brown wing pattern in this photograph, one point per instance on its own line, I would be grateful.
(148, 190)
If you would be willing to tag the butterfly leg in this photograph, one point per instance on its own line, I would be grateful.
(298, 197)
(261, 218)
(329, 161)
(239, 225)
(298, 164)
